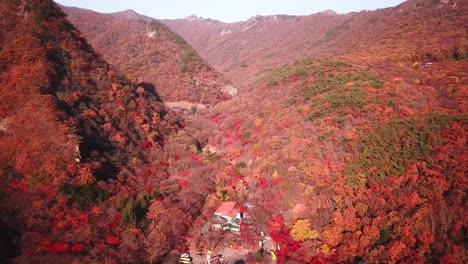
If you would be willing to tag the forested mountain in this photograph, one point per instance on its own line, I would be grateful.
(86, 155)
(347, 144)
(357, 150)
(351, 164)
(245, 51)
(147, 51)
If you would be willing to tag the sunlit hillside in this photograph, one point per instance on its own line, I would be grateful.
(347, 141)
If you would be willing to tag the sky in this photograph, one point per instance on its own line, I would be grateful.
(228, 10)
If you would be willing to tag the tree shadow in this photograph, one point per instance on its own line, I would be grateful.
(151, 89)
(9, 241)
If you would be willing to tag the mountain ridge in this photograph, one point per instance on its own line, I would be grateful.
(157, 55)
(365, 33)
(348, 155)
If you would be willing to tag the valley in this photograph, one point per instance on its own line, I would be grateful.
(331, 138)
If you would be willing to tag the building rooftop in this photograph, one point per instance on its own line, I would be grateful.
(227, 209)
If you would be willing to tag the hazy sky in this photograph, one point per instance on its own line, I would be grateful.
(228, 10)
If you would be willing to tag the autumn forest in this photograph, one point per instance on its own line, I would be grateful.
(336, 138)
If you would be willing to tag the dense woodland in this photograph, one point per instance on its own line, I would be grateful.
(342, 159)
(145, 50)
(247, 50)
(347, 172)
(84, 172)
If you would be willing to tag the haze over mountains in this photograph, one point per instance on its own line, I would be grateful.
(347, 142)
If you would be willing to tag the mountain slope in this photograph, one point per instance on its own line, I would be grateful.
(89, 161)
(344, 159)
(146, 50)
(244, 51)
(357, 157)
(349, 164)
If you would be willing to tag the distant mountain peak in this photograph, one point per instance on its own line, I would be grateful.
(130, 11)
(278, 17)
(198, 18)
(328, 12)
(193, 17)
(130, 14)
(436, 3)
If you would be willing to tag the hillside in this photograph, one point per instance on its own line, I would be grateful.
(352, 157)
(88, 159)
(346, 164)
(147, 51)
(245, 51)
(347, 144)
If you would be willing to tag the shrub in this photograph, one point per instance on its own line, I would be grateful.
(334, 32)
(85, 196)
(133, 213)
(301, 231)
(328, 133)
(184, 68)
(127, 215)
(259, 256)
(391, 147)
(277, 76)
(455, 53)
(245, 135)
(239, 166)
